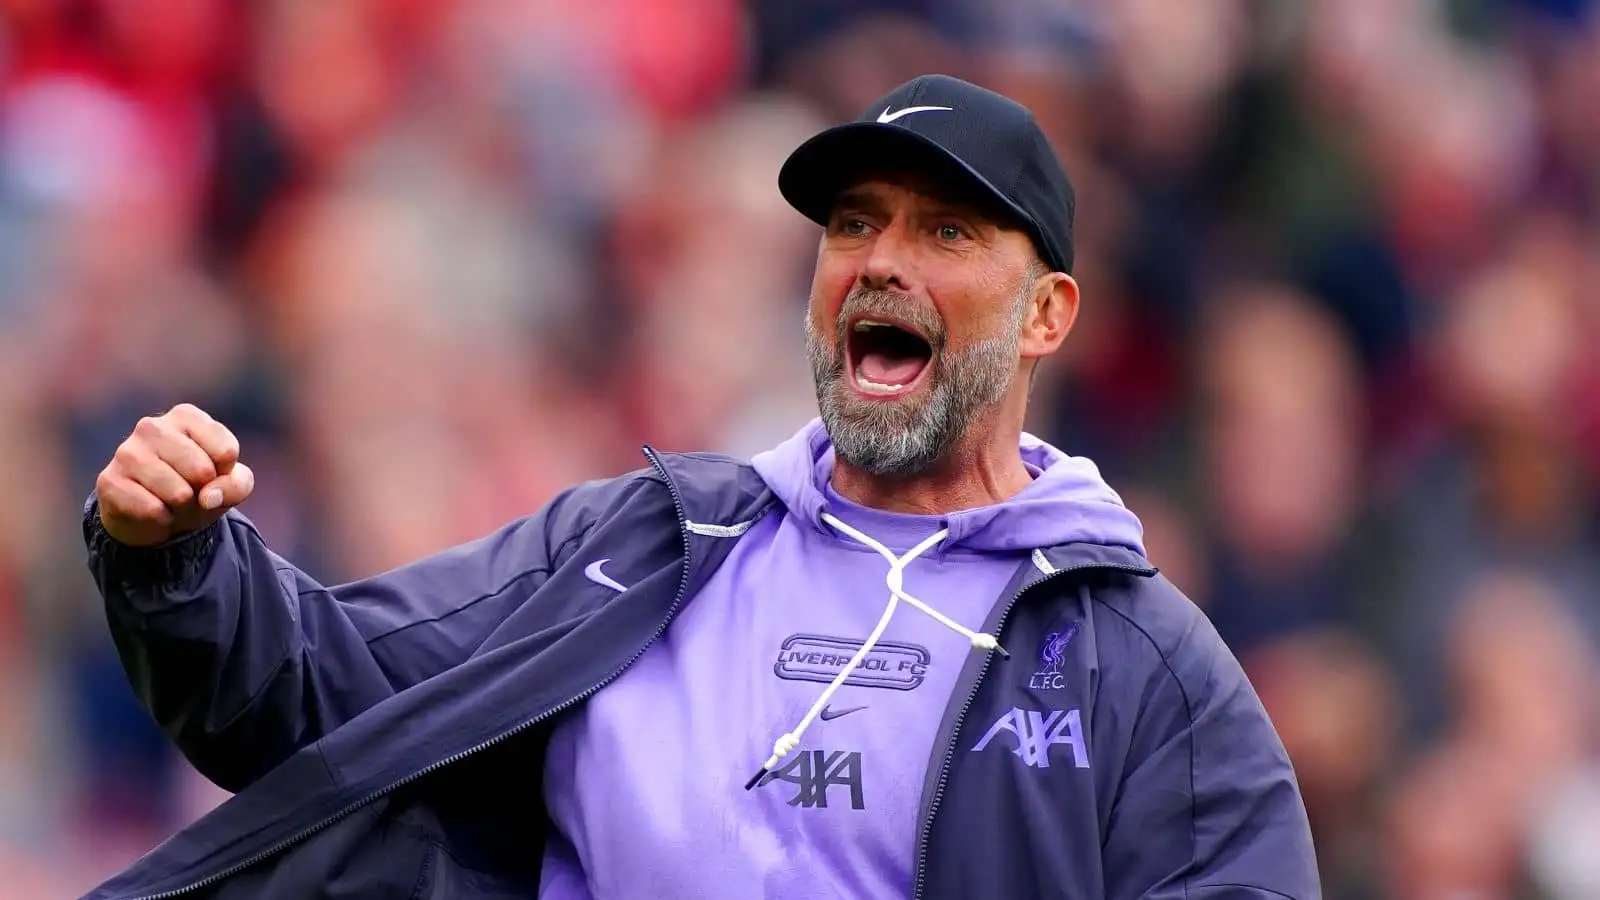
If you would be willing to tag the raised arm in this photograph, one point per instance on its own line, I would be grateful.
(240, 656)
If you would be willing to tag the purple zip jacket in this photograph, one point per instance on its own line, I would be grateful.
(388, 737)
(755, 657)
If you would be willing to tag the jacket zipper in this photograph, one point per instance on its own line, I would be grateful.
(926, 831)
(683, 589)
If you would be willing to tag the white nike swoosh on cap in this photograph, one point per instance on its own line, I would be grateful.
(887, 116)
(593, 573)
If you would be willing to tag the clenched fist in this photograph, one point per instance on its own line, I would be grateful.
(175, 474)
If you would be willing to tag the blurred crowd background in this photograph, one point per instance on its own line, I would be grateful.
(434, 260)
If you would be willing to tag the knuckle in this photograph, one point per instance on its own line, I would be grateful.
(203, 471)
(227, 446)
(128, 453)
(180, 493)
(148, 427)
(188, 412)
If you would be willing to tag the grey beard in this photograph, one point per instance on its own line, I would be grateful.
(909, 437)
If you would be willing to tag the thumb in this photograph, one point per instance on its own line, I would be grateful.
(228, 489)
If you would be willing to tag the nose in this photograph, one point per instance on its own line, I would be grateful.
(887, 264)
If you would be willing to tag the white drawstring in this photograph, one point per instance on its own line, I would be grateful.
(895, 580)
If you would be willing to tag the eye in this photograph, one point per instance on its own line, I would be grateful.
(948, 232)
(853, 227)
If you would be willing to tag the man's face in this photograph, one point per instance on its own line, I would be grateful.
(916, 311)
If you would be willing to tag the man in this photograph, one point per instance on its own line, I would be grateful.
(912, 652)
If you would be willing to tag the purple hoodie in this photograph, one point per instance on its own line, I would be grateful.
(647, 782)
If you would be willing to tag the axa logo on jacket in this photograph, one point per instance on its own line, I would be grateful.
(1038, 732)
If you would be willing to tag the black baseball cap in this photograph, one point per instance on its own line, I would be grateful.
(947, 128)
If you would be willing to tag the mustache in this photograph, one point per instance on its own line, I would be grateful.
(878, 304)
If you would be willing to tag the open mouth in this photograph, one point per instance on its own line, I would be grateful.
(886, 359)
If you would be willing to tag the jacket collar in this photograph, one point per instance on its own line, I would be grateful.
(727, 493)
(1096, 556)
(715, 490)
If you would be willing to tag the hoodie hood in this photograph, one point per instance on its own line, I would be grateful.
(1068, 501)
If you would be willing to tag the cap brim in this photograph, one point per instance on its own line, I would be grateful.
(819, 169)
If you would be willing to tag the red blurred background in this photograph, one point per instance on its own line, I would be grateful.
(435, 259)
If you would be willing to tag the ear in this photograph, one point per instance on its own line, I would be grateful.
(1050, 316)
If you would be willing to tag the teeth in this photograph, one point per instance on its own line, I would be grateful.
(873, 387)
(865, 324)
